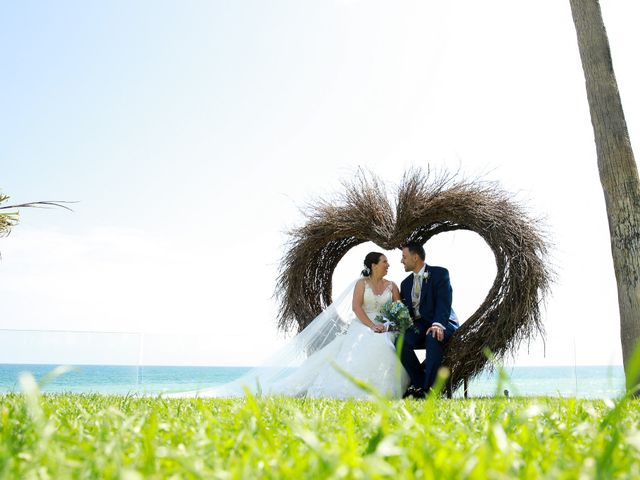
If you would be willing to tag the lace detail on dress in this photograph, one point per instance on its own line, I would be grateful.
(372, 303)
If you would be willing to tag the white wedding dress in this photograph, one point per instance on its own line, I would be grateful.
(361, 352)
(310, 365)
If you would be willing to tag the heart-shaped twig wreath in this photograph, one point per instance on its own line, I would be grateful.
(426, 206)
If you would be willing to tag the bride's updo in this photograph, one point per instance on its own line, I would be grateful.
(372, 258)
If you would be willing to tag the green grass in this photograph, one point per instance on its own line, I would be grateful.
(97, 436)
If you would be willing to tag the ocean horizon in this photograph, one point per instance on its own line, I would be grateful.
(596, 381)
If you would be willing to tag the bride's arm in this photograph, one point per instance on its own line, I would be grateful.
(395, 292)
(358, 301)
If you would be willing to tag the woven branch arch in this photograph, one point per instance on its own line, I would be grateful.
(426, 205)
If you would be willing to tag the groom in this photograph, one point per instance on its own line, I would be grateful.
(427, 294)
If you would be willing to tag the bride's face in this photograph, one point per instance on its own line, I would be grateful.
(382, 267)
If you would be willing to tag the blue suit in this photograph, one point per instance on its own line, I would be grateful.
(435, 306)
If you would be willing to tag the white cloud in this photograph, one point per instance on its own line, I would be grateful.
(121, 280)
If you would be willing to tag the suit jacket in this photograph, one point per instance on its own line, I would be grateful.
(435, 299)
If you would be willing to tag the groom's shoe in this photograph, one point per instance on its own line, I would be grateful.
(415, 392)
(419, 394)
(409, 392)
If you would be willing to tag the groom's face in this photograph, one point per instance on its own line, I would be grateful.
(409, 260)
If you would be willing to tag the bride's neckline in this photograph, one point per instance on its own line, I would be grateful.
(386, 287)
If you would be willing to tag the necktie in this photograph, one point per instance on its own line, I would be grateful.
(417, 285)
(415, 294)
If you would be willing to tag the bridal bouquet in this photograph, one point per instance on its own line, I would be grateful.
(397, 314)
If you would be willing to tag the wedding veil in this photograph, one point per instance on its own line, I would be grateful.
(277, 374)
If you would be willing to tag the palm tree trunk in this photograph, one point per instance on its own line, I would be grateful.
(618, 170)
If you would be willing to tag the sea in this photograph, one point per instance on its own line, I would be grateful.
(595, 382)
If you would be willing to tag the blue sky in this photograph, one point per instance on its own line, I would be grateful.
(192, 133)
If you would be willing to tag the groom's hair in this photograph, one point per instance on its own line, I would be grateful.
(417, 248)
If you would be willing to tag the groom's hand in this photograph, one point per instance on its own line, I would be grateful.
(436, 332)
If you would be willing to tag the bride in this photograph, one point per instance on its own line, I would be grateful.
(339, 346)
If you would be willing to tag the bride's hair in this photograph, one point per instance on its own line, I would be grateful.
(371, 259)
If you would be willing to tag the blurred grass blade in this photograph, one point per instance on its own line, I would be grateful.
(55, 373)
(31, 392)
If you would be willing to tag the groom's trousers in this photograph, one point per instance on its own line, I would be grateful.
(422, 375)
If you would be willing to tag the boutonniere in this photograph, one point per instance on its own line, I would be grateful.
(425, 276)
